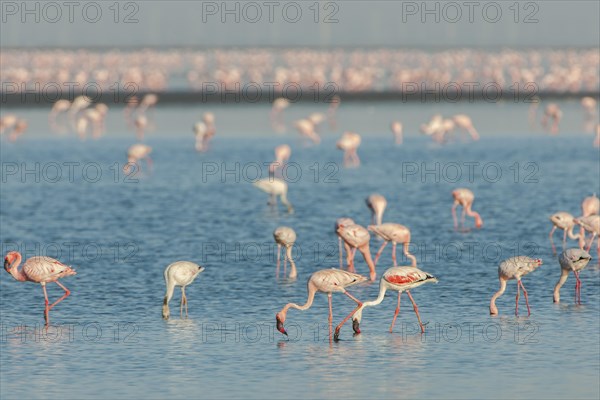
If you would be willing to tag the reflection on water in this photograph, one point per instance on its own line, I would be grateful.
(114, 343)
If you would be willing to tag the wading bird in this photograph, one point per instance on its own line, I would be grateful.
(394, 233)
(464, 197)
(571, 260)
(514, 268)
(275, 187)
(286, 237)
(377, 204)
(565, 221)
(357, 237)
(179, 273)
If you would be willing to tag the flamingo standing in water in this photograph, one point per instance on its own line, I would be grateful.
(591, 224)
(209, 120)
(349, 143)
(464, 197)
(552, 112)
(397, 131)
(275, 187)
(136, 153)
(377, 204)
(463, 121)
(327, 281)
(282, 155)
(357, 237)
(179, 273)
(59, 107)
(286, 237)
(307, 130)
(141, 122)
(400, 279)
(571, 260)
(394, 233)
(41, 270)
(565, 221)
(200, 133)
(277, 121)
(339, 222)
(589, 206)
(514, 268)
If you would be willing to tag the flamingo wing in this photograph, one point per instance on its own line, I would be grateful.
(46, 269)
(406, 276)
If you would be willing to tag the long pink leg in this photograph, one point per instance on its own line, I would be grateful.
(416, 311)
(278, 260)
(396, 313)
(340, 248)
(462, 217)
(526, 298)
(412, 258)
(67, 293)
(330, 318)
(348, 254)
(46, 308)
(285, 264)
(359, 305)
(551, 241)
(454, 215)
(379, 252)
(591, 241)
(394, 254)
(351, 264)
(517, 301)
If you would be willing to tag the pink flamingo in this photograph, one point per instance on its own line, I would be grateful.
(562, 220)
(59, 107)
(571, 260)
(464, 197)
(286, 237)
(394, 233)
(397, 131)
(136, 153)
(377, 204)
(400, 279)
(357, 237)
(591, 223)
(589, 206)
(514, 268)
(41, 270)
(200, 131)
(282, 155)
(19, 128)
(463, 121)
(179, 273)
(552, 112)
(275, 187)
(307, 130)
(349, 143)
(327, 281)
(209, 120)
(339, 222)
(277, 121)
(141, 122)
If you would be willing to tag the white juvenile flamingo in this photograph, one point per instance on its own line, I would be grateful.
(377, 204)
(275, 187)
(339, 222)
(179, 273)
(286, 237)
(327, 281)
(465, 198)
(394, 233)
(400, 279)
(565, 221)
(514, 268)
(571, 260)
(357, 237)
(40, 270)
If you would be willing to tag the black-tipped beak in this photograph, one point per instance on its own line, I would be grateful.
(356, 326)
(7, 265)
(280, 327)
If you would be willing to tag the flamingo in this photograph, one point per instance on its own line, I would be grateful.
(41, 270)
(18, 129)
(562, 220)
(571, 260)
(179, 273)
(591, 224)
(552, 112)
(277, 122)
(400, 279)
(332, 110)
(307, 130)
(397, 131)
(377, 204)
(200, 133)
(282, 154)
(514, 268)
(464, 197)
(394, 233)
(209, 120)
(59, 107)
(275, 187)
(339, 222)
(357, 237)
(327, 281)
(141, 122)
(286, 237)
(464, 122)
(136, 153)
(590, 206)
(349, 143)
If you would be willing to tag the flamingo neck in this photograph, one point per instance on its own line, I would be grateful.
(571, 234)
(309, 301)
(358, 314)
(15, 272)
(366, 252)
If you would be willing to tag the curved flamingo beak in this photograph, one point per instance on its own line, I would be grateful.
(356, 326)
(280, 327)
(7, 264)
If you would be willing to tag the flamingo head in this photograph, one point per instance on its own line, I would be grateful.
(9, 260)
(280, 319)
(478, 222)
(356, 326)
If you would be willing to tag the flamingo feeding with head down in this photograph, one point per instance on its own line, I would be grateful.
(571, 260)
(562, 220)
(377, 204)
(275, 187)
(514, 268)
(400, 279)
(327, 281)
(136, 153)
(394, 233)
(349, 143)
(179, 273)
(591, 224)
(357, 237)
(41, 270)
(282, 155)
(286, 237)
(338, 223)
(464, 197)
